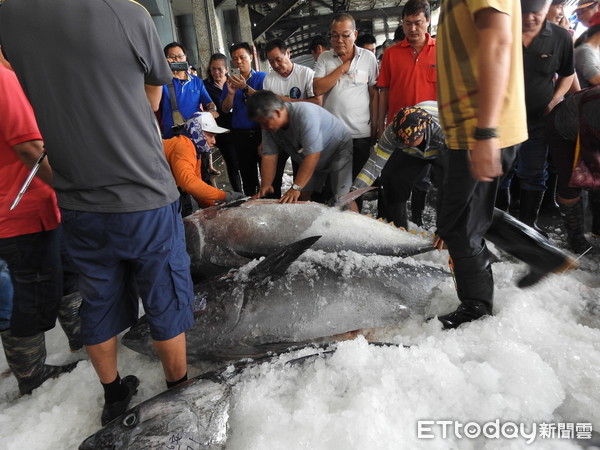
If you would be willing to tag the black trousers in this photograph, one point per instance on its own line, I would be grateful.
(246, 144)
(467, 205)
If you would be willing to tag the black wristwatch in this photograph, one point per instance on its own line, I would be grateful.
(482, 134)
(245, 90)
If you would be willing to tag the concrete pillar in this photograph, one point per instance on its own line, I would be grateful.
(187, 34)
(208, 31)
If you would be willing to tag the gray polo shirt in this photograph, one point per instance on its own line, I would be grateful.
(311, 129)
(83, 66)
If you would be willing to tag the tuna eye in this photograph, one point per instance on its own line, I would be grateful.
(129, 420)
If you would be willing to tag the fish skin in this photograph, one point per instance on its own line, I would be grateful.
(193, 415)
(224, 237)
(246, 314)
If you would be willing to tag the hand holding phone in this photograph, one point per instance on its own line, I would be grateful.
(235, 71)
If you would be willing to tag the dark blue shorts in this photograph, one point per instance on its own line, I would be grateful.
(125, 256)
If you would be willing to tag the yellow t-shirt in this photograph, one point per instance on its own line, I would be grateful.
(457, 47)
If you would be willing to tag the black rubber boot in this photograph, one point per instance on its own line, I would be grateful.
(417, 205)
(503, 199)
(572, 215)
(26, 357)
(68, 317)
(529, 206)
(594, 200)
(475, 290)
(549, 204)
(113, 410)
(396, 213)
(531, 247)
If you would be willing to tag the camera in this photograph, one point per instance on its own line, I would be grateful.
(179, 66)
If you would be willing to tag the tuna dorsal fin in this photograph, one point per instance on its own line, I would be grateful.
(276, 264)
(346, 199)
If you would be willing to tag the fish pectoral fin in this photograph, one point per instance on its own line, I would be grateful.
(276, 264)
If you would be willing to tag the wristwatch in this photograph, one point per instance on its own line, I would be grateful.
(245, 90)
(296, 187)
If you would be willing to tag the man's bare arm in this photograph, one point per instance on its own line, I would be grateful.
(493, 59)
(29, 152)
(154, 94)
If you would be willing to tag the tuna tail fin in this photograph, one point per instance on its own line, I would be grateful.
(348, 198)
(276, 264)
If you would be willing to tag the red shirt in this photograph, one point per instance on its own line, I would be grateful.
(38, 210)
(411, 78)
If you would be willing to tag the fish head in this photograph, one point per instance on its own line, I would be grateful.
(191, 415)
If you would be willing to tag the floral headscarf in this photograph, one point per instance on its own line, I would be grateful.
(193, 130)
(410, 123)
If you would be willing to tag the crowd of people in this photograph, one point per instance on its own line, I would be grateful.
(502, 97)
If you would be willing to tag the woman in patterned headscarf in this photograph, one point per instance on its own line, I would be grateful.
(186, 154)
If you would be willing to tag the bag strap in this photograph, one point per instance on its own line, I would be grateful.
(175, 114)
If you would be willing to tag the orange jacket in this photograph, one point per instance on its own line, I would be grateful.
(181, 156)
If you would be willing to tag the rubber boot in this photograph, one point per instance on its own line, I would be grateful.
(572, 214)
(396, 213)
(475, 290)
(531, 247)
(68, 317)
(594, 200)
(503, 199)
(26, 357)
(549, 204)
(529, 206)
(417, 205)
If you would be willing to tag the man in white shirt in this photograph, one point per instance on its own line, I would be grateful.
(346, 76)
(292, 83)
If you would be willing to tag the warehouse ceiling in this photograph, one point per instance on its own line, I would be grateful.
(298, 21)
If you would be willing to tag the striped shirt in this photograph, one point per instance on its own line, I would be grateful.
(458, 80)
(433, 142)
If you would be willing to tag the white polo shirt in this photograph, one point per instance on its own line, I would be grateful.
(349, 99)
(298, 85)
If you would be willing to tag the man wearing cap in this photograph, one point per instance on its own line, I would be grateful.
(415, 138)
(585, 11)
(547, 50)
(185, 154)
(313, 137)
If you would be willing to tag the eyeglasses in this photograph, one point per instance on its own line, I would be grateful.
(181, 56)
(335, 36)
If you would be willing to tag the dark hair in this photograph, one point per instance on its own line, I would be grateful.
(316, 41)
(276, 43)
(173, 45)
(343, 17)
(239, 45)
(215, 57)
(364, 39)
(399, 34)
(415, 7)
(263, 104)
(586, 35)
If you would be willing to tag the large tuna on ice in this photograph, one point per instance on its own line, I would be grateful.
(224, 237)
(282, 301)
(193, 415)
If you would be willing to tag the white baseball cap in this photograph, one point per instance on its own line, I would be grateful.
(209, 124)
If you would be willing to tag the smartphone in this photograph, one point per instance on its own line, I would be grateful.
(235, 72)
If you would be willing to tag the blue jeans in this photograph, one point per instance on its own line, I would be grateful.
(531, 166)
(6, 296)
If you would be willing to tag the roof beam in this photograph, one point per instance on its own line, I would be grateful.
(297, 22)
(282, 8)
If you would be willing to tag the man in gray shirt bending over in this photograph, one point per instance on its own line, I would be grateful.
(312, 136)
(93, 73)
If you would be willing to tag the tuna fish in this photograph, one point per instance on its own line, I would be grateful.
(282, 302)
(193, 415)
(224, 237)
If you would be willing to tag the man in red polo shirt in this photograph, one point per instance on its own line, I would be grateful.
(408, 69)
(29, 239)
